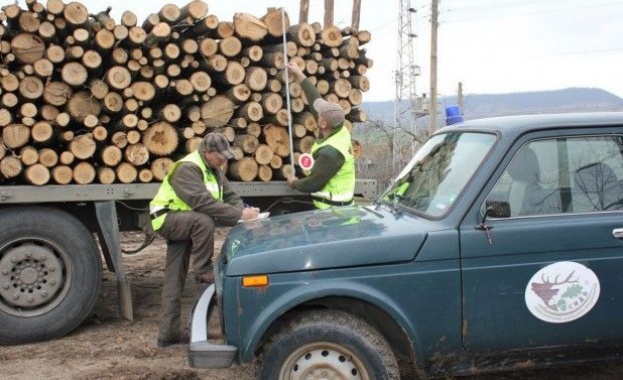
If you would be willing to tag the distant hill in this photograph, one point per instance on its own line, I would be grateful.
(487, 105)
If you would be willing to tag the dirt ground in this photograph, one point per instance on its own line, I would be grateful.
(106, 346)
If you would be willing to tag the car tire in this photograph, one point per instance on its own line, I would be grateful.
(50, 274)
(328, 344)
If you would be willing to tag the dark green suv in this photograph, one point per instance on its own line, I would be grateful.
(497, 247)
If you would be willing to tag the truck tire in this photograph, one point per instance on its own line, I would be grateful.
(328, 344)
(50, 274)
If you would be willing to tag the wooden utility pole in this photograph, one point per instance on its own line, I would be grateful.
(328, 13)
(356, 14)
(304, 12)
(432, 127)
(459, 96)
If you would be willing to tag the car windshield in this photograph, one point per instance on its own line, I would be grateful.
(439, 171)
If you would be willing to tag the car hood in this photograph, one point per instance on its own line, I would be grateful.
(319, 239)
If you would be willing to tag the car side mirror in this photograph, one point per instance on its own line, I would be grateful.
(497, 209)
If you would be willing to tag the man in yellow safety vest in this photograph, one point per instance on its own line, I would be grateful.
(193, 199)
(331, 179)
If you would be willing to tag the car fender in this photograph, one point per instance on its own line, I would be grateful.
(316, 290)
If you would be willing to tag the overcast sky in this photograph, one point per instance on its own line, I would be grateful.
(491, 46)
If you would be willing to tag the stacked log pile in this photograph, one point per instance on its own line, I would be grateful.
(86, 99)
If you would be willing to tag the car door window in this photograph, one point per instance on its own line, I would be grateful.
(563, 175)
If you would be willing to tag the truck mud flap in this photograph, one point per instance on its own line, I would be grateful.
(201, 353)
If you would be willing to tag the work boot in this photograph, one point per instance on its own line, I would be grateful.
(205, 278)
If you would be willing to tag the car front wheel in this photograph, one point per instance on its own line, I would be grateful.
(328, 344)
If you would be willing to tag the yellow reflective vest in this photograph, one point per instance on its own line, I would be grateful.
(340, 189)
(166, 199)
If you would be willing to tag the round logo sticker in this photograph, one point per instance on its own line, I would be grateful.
(306, 161)
(562, 292)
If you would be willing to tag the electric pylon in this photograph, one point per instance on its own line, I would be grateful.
(405, 75)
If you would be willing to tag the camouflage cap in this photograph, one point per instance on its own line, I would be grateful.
(217, 143)
(331, 112)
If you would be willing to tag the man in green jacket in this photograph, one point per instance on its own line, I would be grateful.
(331, 180)
(193, 199)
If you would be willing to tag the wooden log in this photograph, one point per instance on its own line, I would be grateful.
(11, 167)
(205, 26)
(161, 139)
(100, 133)
(297, 105)
(306, 119)
(15, 135)
(244, 170)
(37, 175)
(136, 154)
(48, 157)
(81, 104)
(208, 47)
(28, 22)
(31, 88)
(41, 132)
(62, 174)
(217, 111)
(275, 59)
(225, 29)
(6, 118)
(120, 32)
(276, 162)
(274, 19)
(136, 36)
(201, 81)
(75, 14)
(277, 139)
(264, 173)
(28, 110)
(160, 167)
(28, 48)
(247, 143)
(55, 53)
(47, 32)
(304, 144)
(357, 115)
(302, 34)
(82, 147)
(239, 93)
(251, 111)
(263, 154)
(29, 155)
(128, 19)
(92, 60)
(253, 52)
(170, 113)
(256, 78)
(74, 74)
(74, 52)
(126, 172)
(230, 46)
(133, 136)
(271, 103)
(43, 68)
(143, 91)
(66, 157)
(145, 175)
(106, 175)
(84, 173)
(118, 77)
(249, 27)
(9, 100)
(159, 34)
(113, 102)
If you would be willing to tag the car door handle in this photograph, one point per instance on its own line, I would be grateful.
(617, 233)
